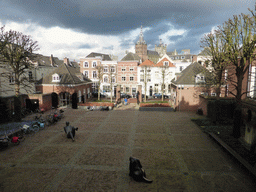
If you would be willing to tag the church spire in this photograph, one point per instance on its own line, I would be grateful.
(141, 39)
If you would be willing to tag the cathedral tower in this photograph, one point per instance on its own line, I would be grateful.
(141, 47)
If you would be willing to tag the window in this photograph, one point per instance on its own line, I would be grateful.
(131, 69)
(30, 76)
(176, 57)
(105, 69)
(94, 64)
(181, 68)
(86, 73)
(166, 63)
(127, 89)
(113, 79)
(123, 78)
(11, 78)
(141, 80)
(86, 64)
(113, 69)
(172, 57)
(105, 79)
(55, 78)
(182, 57)
(142, 71)
(94, 74)
(149, 70)
(123, 68)
(149, 80)
(131, 78)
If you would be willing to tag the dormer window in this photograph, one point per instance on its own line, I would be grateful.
(166, 63)
(199, 78)
(55, 77)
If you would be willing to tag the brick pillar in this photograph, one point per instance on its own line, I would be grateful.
(140, 92)
(118, 93)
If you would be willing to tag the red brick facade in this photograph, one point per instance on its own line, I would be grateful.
(127, 76)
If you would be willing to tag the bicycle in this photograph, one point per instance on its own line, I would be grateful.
(31, 130)
(6, 141)
(40, 121)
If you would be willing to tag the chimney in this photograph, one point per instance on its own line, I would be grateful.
(66, 61)
(51, 60)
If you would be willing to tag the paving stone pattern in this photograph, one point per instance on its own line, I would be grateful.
(175, 154)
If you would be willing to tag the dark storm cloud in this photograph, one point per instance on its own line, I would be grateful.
(117, 16)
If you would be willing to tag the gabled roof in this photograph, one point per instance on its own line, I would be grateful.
(105, 57)
(147, 63)
(131, 57)
(188, 75)
(152, 53)
(68, 75)
(45, 61)
(161, 60)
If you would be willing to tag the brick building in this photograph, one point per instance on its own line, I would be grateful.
(88, 69)
(127, 70)
(65, 81)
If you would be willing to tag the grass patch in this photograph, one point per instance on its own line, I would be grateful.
(225, 131)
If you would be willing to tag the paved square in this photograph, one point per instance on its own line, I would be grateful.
(174, 152)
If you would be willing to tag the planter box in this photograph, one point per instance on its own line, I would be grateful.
(154, 105)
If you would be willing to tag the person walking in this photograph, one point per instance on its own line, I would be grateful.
(138, 100)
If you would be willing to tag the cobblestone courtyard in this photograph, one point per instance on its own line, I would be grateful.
(175, 154)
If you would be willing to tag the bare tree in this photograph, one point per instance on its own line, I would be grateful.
(16, 51)
(216, 47)
(146, 77)
(164, 74)
(112, 79)
(239, 34)
(100, 74)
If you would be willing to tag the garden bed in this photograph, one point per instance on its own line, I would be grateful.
(107, 104)
(224, 132)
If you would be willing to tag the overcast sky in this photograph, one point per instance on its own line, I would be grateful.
(76, 28)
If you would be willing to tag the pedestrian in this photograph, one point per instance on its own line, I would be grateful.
(125, 101)
(138, 100)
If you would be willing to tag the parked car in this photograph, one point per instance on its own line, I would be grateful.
(95, 95)
(159, 96)
(124, 95)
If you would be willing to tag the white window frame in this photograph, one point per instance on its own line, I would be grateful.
(123, 78)
(105, 79)
(131, 78)
(166, 63)
(86, 74)
(94, 74)
(55, 77)
(86, 64)
(94, 63)
(105, 69)
(123, 69)
(131, 69)
(113, 69)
